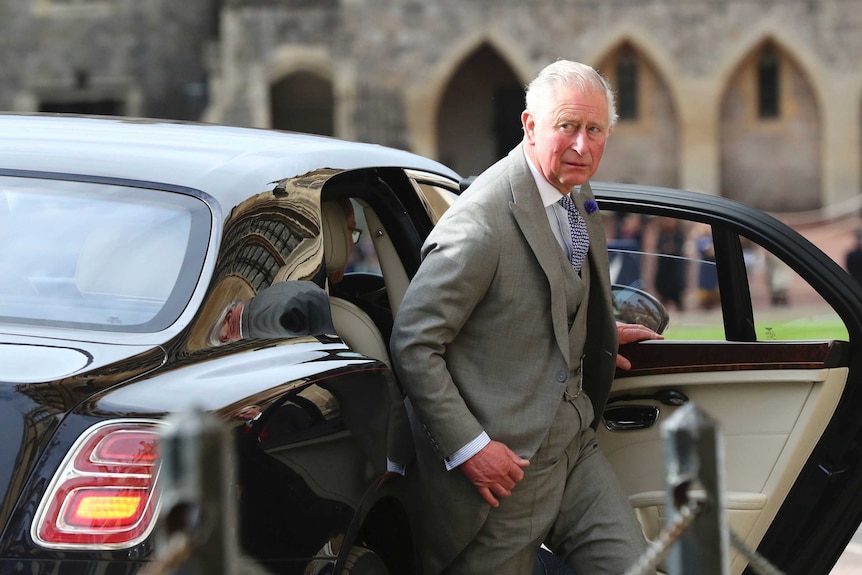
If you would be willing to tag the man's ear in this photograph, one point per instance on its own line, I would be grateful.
(529, 124)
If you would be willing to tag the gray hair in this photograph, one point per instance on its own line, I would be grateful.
(569, 73)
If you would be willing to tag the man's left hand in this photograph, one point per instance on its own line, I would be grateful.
(631, 333)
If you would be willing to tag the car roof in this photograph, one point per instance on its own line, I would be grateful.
(211, 158)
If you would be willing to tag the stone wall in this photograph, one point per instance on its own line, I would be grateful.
(149, 57)
(391, 64)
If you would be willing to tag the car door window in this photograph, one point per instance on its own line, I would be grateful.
(97, 255)
(437, 194)
(674, 260)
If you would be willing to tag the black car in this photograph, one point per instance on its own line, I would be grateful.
(149, 269)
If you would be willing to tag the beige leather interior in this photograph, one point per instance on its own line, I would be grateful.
(353, 325)
(394, 275)
(769, 422)
(336, 237)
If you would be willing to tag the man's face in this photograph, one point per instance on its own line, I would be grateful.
(350, 217)
(565, 139)
(230, 328)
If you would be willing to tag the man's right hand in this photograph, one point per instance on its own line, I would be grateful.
(494, 471)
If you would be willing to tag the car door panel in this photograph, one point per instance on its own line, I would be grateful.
(771, 405)
(765, 323)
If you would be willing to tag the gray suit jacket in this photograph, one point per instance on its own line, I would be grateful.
(481, 341)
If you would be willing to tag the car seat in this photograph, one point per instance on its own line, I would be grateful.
(352, 324)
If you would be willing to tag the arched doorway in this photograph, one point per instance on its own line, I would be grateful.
(479, 119)
(302, 102)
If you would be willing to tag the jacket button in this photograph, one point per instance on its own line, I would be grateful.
(562, 376)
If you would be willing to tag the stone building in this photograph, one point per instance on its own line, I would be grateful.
(758, 100)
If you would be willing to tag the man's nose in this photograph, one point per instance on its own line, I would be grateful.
(579, 142)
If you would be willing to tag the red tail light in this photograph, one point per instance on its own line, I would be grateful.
(104, 495)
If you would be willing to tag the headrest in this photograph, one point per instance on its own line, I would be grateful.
(336, 237)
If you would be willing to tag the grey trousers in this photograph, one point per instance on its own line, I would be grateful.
(570, 499)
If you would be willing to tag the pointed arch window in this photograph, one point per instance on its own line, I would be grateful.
(768, 84)
(627, 84)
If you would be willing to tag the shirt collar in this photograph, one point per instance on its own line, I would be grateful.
(549, 194)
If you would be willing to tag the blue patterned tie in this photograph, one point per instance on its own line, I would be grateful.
(578, 231)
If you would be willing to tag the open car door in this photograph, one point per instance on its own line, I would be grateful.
(764, 336)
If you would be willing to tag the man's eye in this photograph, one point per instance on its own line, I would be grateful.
(567, 128)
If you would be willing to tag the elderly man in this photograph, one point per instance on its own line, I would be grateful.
(506, 346)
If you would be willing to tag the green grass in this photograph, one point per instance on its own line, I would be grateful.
(779, 329)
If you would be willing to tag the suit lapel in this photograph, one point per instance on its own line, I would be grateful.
(532, 220)
(598, 254)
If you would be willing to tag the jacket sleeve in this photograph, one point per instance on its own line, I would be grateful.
(459, 262)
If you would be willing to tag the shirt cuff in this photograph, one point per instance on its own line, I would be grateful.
(396, 467)
(467, 451)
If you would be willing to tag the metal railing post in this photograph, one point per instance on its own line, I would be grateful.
(694, 462)
(196, 532)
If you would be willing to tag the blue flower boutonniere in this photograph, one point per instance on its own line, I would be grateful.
(591, 206)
